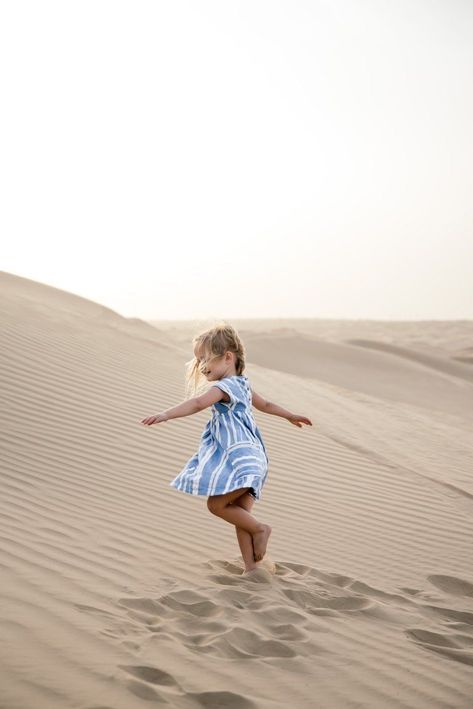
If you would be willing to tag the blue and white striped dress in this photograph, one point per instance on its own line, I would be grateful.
(232, 453)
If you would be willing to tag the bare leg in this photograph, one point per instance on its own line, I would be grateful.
(245, 540)
(221, 505)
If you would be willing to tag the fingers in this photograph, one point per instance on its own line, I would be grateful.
(300, 420)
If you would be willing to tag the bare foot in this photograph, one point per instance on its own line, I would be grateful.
(252, 567)
(260, 541)
(249, 569)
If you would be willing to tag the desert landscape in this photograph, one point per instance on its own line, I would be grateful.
(117, 592)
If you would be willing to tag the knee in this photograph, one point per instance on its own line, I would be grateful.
(214, 506)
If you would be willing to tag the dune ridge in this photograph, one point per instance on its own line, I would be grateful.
(117, 592)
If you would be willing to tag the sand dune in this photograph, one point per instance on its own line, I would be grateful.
(118, 592)
(378, 369)
(436, 363)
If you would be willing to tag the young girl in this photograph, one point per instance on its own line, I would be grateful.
(231, 464)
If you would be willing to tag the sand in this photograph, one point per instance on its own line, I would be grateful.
(118, 592)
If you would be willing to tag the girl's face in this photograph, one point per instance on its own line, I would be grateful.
(214, 366)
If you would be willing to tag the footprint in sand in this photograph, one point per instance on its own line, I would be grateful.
(145, 675)
(189, 601)
(217, 700)
(150, 674)
(454, 638)
(239, 642)
(452, 585)
(455, 646)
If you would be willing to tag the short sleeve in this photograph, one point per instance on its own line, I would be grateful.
(227, 387)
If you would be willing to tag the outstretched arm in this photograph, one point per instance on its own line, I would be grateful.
(186, 408)
(268, 407)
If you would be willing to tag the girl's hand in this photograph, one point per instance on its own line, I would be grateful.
(299, 420)
(158, 418)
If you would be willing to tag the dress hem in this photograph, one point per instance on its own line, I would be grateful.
(256, 496)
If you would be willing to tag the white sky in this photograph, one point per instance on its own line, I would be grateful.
(241, 159)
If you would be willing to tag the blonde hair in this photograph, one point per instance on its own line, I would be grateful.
(215, 341)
